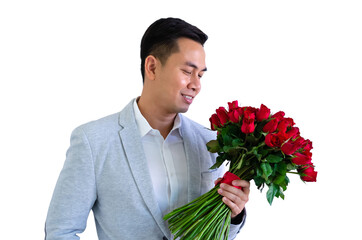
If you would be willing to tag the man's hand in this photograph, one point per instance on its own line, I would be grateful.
(235, 198)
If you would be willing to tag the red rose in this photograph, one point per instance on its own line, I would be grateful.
(235, 115)
(273, 140)
(295, 143)
(279, 115)
(308, 145)
(299, 140)
(290, 147)
(222, 115)
(249, 109)
(285, 123)
(262, 113)
(310, 174)
(248, 121)
(214, 121)
(233, 105)
(271, 126)
(304, 158)
(293, 132)
(247, 128)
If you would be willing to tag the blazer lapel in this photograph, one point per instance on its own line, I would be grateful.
(136, 158)
(193, 160)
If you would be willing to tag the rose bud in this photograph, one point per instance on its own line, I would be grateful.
(233, 105)
(271, 126)
(222, 115)
(262, 113)
(215, 121)
(288, 148)
(302, 159)
(273, 140)
(248, 122)
(235, 115)
(279, 115)
(310, 174)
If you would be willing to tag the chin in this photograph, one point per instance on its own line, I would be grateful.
(180, 107)
(182, 110)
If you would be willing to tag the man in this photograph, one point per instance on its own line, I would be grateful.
(133, 167)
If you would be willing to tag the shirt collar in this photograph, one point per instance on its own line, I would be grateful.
(144, 127)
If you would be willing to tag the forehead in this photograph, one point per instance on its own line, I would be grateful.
(189, 51)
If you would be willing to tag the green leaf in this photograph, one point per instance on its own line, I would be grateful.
(284, 184)
(237, 143)
(273, 189)
(291, 167)
(267, 169)
(259, 172)
(213, 146)
(281, 168)
(263, 152)
(259, 181)
(274, 158)
(280, 193)
(227, 149)
(226, 138)
(279, 179)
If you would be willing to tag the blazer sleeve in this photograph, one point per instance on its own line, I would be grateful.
(75, 191)
(236, 227)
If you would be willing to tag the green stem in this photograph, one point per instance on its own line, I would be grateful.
(214, 217)
(184, 223)
(195, 204)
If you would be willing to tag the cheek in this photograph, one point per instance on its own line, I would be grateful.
(179, 82)
(173, 83)
(183, 80)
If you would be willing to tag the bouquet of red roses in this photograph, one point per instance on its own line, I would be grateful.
(257, 146)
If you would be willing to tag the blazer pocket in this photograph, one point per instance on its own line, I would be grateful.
(207, 180)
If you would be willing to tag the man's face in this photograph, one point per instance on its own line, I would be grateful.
(178, 79)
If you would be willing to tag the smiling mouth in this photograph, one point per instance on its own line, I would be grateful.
(188, 98)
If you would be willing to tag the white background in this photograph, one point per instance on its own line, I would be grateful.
(64, 63)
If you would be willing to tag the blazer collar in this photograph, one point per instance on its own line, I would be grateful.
(193, 158)
(132, 144)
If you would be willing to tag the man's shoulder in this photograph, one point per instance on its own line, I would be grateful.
(105, 125)
(102, 125)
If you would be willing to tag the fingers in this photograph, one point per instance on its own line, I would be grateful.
(235, 198)
(235, 209)
(245, 188)
(245, 185)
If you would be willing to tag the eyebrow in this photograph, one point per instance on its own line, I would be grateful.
(194, 66)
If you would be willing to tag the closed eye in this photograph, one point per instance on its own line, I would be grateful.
(190, 73)
(187, 72)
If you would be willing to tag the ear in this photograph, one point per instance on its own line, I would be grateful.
(150, 67)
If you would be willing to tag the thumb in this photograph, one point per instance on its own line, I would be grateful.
(217, 181)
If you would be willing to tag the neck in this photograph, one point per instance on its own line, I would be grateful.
(154, 115)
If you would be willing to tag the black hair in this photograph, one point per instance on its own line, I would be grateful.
(160, 39)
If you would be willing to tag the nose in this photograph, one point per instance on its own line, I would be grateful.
(195, 83)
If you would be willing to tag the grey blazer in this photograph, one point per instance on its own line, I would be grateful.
(106, 171)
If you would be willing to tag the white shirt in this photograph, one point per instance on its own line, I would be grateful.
(166, 159)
